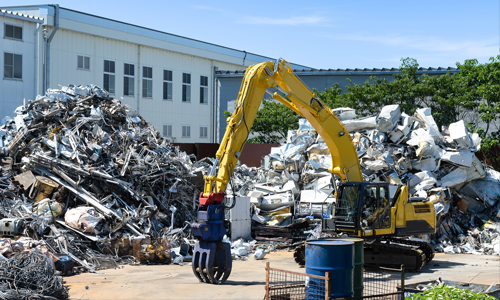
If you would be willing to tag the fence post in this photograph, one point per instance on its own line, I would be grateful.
(267, 281)
(403, 282)
(328, 285)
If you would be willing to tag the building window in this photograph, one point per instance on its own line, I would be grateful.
(83, 62)
(109, 76)
(186, 131)
(12, 66)
(167, 130)
(203, 132)
(203, 89)
(13, 32)
(167, 85)
(128, 79)
(147, 82)
(186, 87)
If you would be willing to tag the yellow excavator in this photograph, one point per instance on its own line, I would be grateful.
(363, 209)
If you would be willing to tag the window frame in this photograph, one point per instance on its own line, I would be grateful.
(171, 130)
(12, 38)
(171, 85)
(128, 76)
(146, 79)
(205, 131)
(182, 133)
(188, 85)
(109, 73)
(13, 66)
(84, 56)
(204, 87)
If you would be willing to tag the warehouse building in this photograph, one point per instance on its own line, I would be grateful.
(228, 84)
(168, 79)
(18, 51)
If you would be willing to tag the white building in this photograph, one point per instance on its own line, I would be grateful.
(168, 79)
(18, 50)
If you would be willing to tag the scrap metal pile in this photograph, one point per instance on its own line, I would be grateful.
(30, 275)
(89, 177)
(439, 166)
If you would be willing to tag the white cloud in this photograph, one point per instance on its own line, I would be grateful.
(203, 7)
(300, 20)
(314, 19)
(434, 44)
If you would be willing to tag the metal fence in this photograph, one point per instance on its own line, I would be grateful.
(379, 284)
(382, 283)
(288, 285)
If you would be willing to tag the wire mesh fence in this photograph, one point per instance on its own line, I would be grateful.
(382, 283)
(287, 285)
(379, 284)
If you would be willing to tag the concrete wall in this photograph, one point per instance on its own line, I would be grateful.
(250, 156)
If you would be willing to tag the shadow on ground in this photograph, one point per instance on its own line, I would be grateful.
(244, 283)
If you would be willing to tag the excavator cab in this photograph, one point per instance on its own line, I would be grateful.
(363, 206)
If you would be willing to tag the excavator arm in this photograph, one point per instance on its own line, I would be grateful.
(278, 79)
(212, 257)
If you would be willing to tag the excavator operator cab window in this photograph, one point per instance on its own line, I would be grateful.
(346, 209)
(375, 209)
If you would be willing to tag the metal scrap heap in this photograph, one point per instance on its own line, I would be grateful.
(438, 165)
(89, 177)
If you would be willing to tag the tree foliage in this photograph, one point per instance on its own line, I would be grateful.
(272, 122)
(444, 291)
(472, 95)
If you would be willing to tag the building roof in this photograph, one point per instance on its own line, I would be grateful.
(148, 32)
(20, 16)
(355, 71)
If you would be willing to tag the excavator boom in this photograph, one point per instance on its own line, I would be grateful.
(212, 257)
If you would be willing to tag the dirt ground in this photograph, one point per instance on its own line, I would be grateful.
(248, 278)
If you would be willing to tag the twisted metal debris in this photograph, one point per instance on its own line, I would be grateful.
(30, 276)
(78, 150)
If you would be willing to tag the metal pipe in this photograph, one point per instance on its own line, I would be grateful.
(212, 110)
(44, 60)
(47, 45)
(138, 87)
(37, 31)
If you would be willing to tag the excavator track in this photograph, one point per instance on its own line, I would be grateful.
(299, 255)
(425, 247)
(394, 255)
(412, 254)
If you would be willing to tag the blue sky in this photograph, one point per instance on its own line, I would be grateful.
(323, 34)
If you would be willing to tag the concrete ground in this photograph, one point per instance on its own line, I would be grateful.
(248, 278)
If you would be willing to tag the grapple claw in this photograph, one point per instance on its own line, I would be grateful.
(211, 257)
(212, 261)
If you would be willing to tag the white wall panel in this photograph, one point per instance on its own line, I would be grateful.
(67, 44)
(13, 92)
(101, 39)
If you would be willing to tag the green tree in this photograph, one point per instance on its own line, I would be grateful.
(472, 94)
(272, 122)
(483, 85)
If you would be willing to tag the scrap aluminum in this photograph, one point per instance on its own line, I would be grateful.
(394, 147)
(89, 177)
